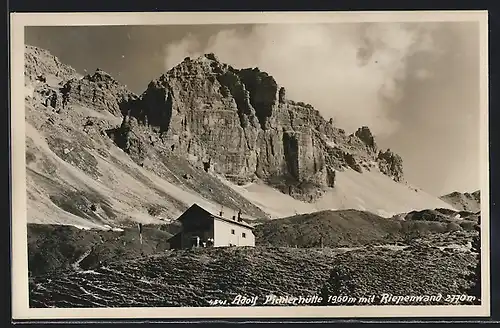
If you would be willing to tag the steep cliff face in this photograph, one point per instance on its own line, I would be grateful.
(242, 124)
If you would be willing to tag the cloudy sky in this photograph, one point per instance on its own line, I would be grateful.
(415, 85)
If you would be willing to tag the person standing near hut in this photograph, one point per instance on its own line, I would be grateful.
(140, 233)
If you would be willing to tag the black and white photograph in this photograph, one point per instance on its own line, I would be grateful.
(254, 165)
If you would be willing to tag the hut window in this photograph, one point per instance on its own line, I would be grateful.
(244, 235)
(232, 231)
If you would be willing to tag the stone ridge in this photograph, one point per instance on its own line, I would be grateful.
(99, 91)
(239, 123)
(468, 201)
(60, 87)
(40, 64)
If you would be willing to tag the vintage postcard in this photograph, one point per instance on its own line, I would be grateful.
(250, 165)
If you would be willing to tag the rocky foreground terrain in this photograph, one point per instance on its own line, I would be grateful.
(198, 276)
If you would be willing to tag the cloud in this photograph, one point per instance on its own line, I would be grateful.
(350, 72)
(423, 74)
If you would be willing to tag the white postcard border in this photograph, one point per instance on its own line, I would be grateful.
(19, 265)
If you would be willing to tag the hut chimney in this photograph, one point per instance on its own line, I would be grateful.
(221, 211)
(239, 215)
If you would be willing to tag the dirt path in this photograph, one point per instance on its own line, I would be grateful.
(76, 265)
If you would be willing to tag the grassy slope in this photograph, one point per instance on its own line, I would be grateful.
(336, 228)
(349, 228)
(52, 248)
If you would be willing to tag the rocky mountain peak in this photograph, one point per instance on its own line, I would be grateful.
(365, 135)
(60, 87)
(211, 56)
(41, 66)
(101, 76)
(391, 164)
(241, 122)
(208, 63)
(208, 57)
(467, 201)
(99, 91)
